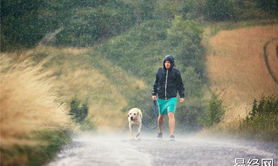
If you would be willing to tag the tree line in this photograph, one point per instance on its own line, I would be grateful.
(85, 22)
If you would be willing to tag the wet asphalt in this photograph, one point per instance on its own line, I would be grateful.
(89, 149)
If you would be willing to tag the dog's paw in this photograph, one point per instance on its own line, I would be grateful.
(138, 134)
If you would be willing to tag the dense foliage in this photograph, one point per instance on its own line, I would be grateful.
(25, 23)
(267, 106)
(262, 120)
(77, 111)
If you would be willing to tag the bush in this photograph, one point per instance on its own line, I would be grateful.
(267, 106)
(262, 120)
(78, 113)
(213, 112)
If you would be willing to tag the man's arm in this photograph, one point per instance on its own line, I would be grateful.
(180, 87)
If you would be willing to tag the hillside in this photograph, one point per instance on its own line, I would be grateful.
(73, 75)
(237, 69)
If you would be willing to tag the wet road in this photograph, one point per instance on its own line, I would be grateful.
(119, 150)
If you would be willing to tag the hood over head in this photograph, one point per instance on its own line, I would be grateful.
(171, 59)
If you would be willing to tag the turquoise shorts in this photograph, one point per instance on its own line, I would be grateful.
(166, 106)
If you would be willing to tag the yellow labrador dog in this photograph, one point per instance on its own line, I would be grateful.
(135, 118)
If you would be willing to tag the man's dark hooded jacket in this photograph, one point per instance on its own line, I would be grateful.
(168, 82)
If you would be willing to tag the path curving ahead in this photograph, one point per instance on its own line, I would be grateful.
(118, 150)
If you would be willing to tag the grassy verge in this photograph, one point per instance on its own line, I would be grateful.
(260, 124)
(262, 120)
(261, 128)
(48, 143)
(31, 113)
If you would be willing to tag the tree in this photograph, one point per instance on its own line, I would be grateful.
(218, 10)
(186, 37)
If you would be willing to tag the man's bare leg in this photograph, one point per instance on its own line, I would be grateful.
(160, 123)
(171, 117)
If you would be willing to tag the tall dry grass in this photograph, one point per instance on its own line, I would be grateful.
(237, 71)
(27, 101)
(76, 77)
(65, 73)
(102, 87)
(112, 94)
